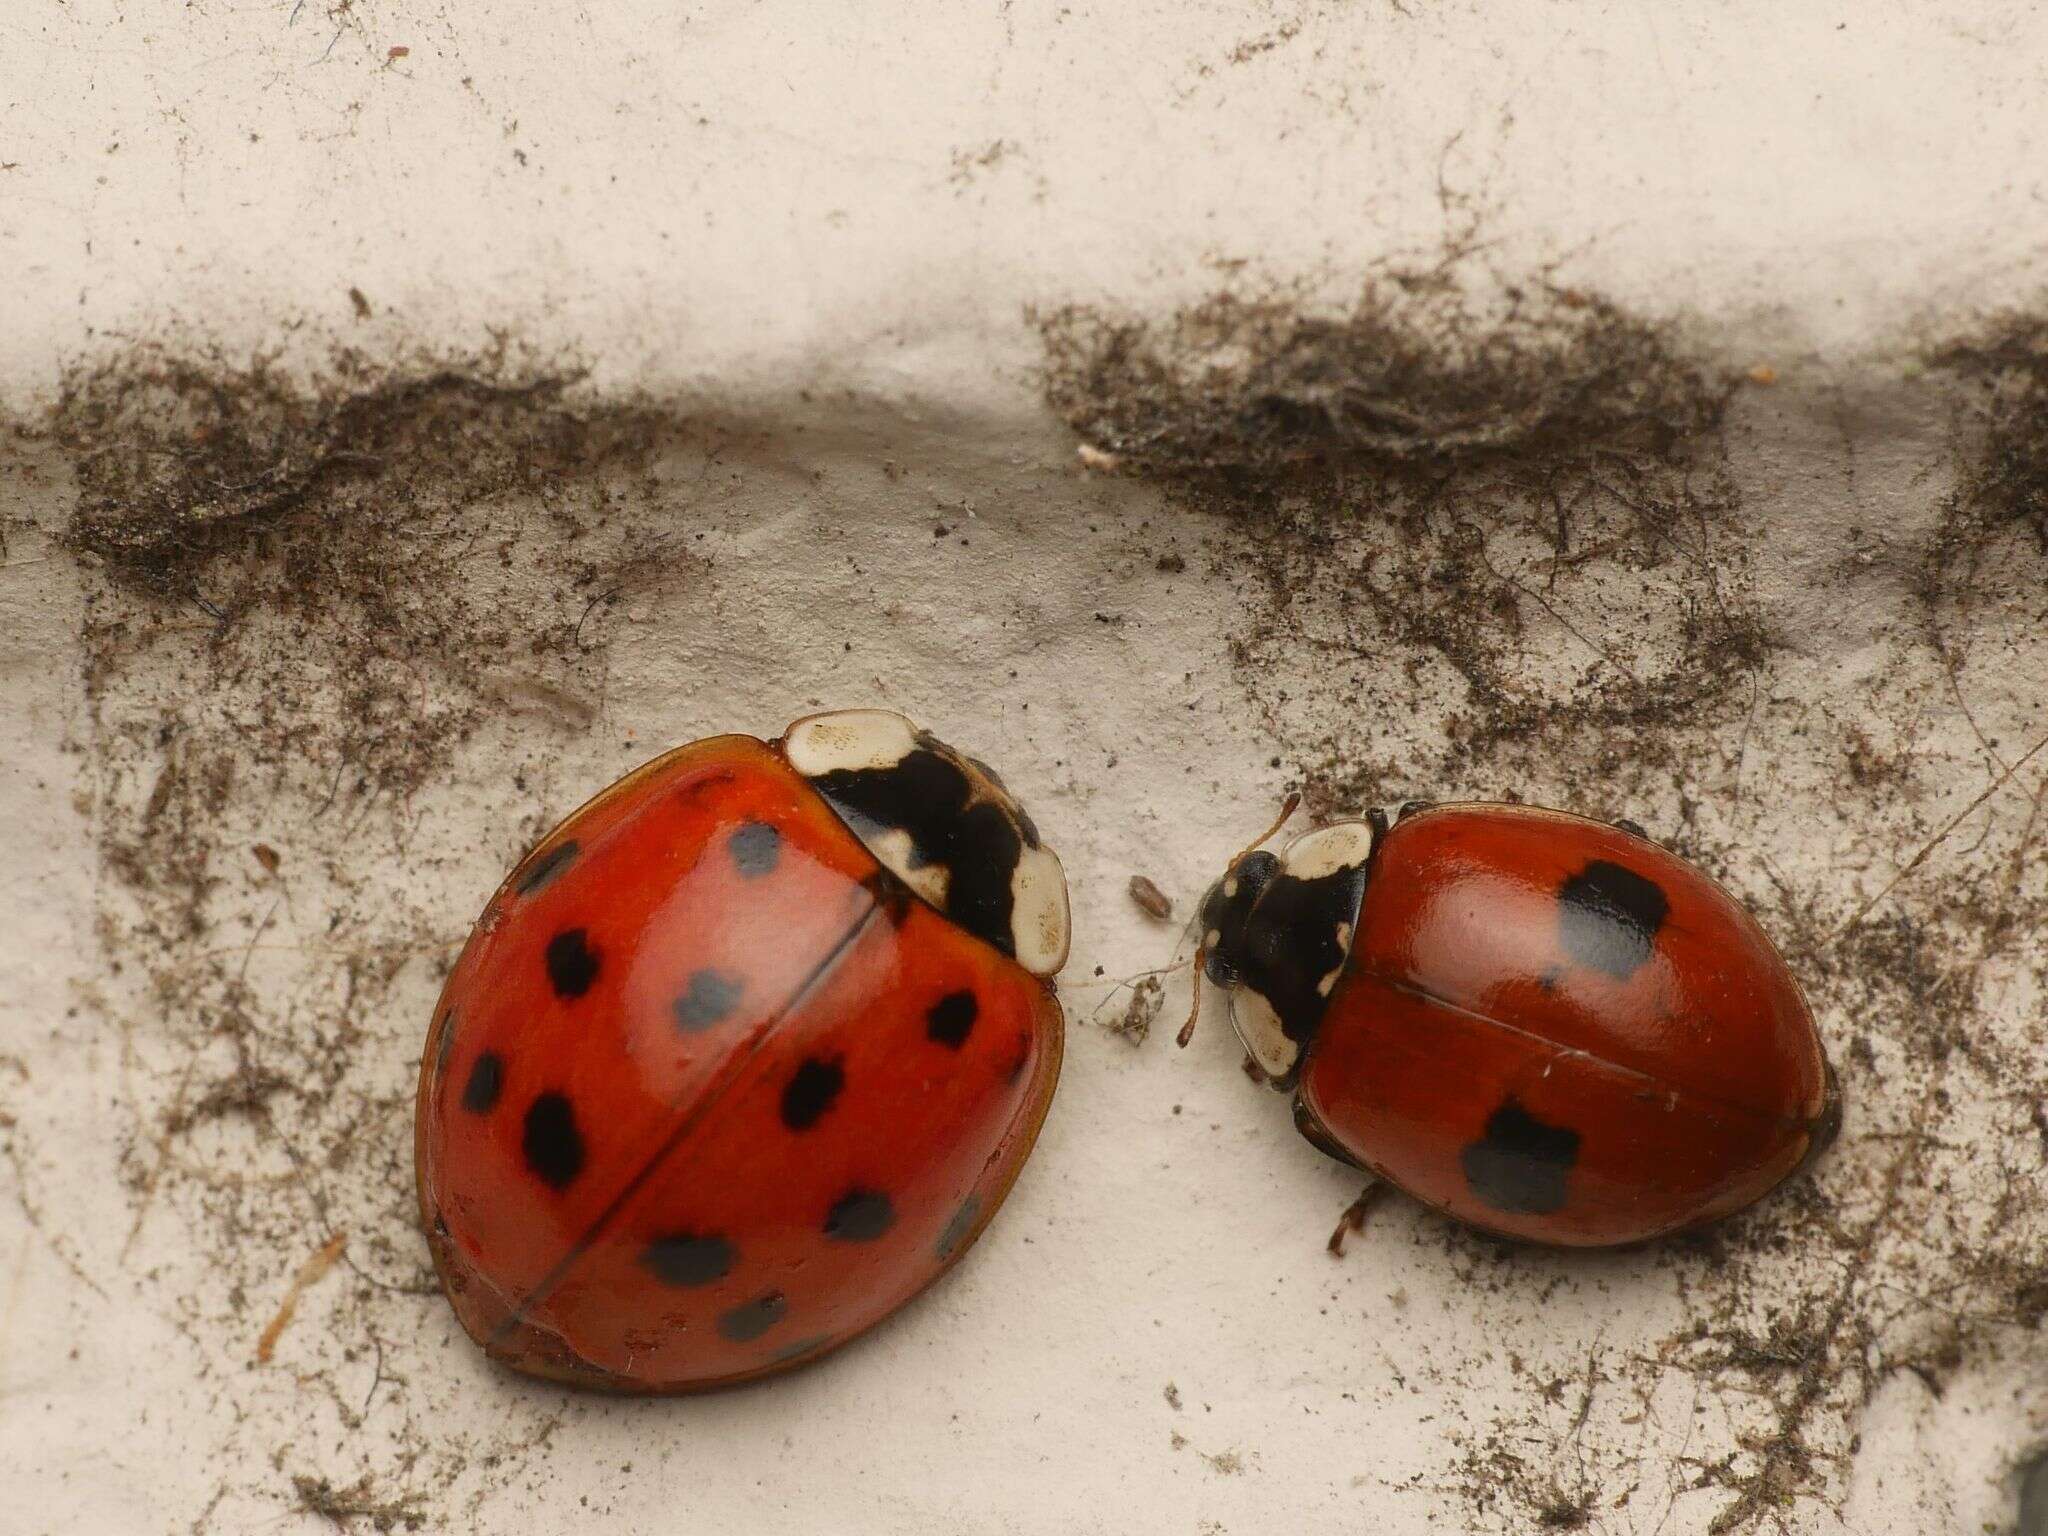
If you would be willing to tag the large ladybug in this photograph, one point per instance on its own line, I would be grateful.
(742, 1057)
(1544, 1026)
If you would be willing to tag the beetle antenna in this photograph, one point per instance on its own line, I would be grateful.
(1287, 809)
(1187, 1030)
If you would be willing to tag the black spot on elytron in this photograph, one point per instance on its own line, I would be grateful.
(1521, 1163)
(486, 1081)
(552, 1144)
(688, 1258)
(810, 1092)
(928, 795)
(754, 848)
(1608, 918)
(542, 871)
(958, 1228)
(750, 1319)
(709, 998)
(951, 1018)
(572, 963)
(859, 1216)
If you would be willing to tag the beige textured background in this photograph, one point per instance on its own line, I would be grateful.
(811, 240)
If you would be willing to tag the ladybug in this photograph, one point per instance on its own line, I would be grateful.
(742, 1057)
(1544, 1026)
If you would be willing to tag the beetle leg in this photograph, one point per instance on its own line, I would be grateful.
(1410, 807)
(1633, 829)
(1353, 1219)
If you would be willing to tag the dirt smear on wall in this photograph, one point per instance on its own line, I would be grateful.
(307, 593)
(1429, 497)
(1437, 491)
(1984, 555)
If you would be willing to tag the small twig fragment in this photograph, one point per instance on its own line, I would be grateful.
(308, 1275)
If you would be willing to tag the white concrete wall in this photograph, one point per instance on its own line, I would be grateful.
(721, 193)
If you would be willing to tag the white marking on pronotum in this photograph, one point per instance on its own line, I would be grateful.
(1039, 920)
(896, 849)
(1258, 1026)
(848, 740)
(1339, 846)
(1328, 983)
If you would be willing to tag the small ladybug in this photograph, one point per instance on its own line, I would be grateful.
(742, 1057)
(1544, 1026)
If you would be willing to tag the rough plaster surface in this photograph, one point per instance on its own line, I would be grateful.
(824, 234)
(731, 194)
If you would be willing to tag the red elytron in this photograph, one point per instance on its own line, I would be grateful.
(742, 1057)
(1545, 1026)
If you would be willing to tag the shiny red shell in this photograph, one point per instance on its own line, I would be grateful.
(708, 1093)
(1559, 1031)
